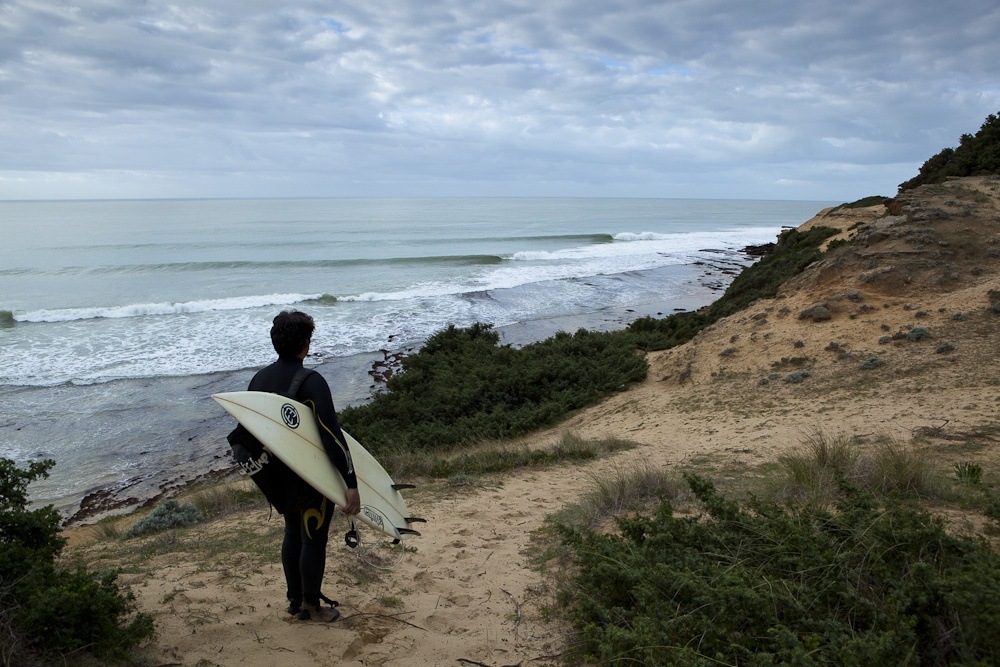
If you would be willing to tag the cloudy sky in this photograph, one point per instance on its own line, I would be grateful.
(763, 99)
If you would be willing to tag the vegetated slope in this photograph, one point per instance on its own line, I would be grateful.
(976, 155)
(915, 289)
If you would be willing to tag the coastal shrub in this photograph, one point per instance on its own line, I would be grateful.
(168, 514)
(864, 202)
(462, 386)
(975, 155)
(871, 363)
(872, 583)
(797, 377)
(918, 334)
(49, 607)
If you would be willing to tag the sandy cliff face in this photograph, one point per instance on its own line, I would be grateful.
(931, 267)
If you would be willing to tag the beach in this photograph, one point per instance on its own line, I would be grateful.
(470, 590)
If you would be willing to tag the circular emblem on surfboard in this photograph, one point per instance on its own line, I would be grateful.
(290, 415)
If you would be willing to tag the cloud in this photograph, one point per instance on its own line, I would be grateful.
(379, 98)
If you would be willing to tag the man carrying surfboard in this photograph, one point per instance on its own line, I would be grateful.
(307, 514)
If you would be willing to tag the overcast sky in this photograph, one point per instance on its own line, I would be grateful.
(782, 99)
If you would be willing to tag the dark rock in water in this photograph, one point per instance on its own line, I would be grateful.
(381, 371)
(759, 250)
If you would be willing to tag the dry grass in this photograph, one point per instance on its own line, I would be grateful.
(812, 476)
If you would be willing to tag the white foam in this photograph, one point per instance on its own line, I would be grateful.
(164, 308)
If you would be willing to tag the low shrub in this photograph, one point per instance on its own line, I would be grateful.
(871, 363)
(51, 608)
(797, 377)
(868, 584)
(168, 514)
(462, 386)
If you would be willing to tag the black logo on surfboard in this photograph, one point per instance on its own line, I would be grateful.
(290, 415)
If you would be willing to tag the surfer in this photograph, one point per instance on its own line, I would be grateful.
(307, 520)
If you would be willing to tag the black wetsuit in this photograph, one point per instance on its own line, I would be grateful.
(303, 550)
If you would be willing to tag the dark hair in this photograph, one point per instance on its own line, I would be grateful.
(291, 331)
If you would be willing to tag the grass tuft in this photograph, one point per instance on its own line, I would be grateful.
(813, 475)
(624, 487)
(496, 457)
(228, 497)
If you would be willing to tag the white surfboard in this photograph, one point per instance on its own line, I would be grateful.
(289, 430)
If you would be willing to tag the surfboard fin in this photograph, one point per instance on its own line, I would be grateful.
(414, 519)
(400, 487)
(407, 531)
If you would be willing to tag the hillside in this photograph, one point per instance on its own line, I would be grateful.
(915, 290)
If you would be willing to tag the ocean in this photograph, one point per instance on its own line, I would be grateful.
(118, 319)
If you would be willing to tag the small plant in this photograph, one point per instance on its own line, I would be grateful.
(797, 377)
(168, 514)
(870, 363)
(945, 348)
(918, 333)
(969, 473)
(885, 340)
(621, 488)
(390, 602)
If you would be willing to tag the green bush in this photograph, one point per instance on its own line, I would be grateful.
(52, 608)
(463, 386)
(867, 584)
(168, 514)
(976, 154)
(864, 202)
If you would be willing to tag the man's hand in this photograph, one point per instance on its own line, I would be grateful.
(353, 505)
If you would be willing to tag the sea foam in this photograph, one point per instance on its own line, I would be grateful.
(166, 308)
